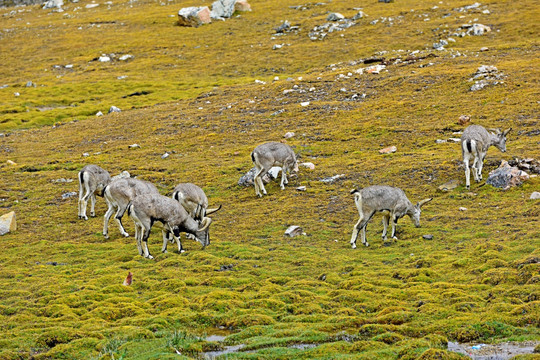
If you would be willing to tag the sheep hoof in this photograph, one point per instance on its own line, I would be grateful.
(150, 257)
(394, 238)
(164, 251)
(353, 245)
(366, 243)
(182, 251)
(125, 234)
(93, 214)
(106, 236)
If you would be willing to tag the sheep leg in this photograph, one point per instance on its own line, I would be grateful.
(481, 165)
(165, 234)
(83, 203)
(258, 179)
(118, 217)
(138, 234)
(145, 236)
(92, 205)
(106, 219)
(385, 221)
(284, 180)
(466, 158)
(360, 227)
(394, 223)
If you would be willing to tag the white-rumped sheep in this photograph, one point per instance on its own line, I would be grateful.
(146, 209)
(272, 154)
(118, 194)
(391, 201)
(194, 200)
(475, 142)
(92, 182)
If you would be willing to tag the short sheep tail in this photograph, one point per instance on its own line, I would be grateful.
(129, 208)
(253, 156)
(355, 191)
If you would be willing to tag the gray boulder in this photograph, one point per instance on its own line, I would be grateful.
(506, 176)
(247, 179)
(222, 9)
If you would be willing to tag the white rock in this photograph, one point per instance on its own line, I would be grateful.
(99, 113)
(462, 208)
(293, 231)
(288, 135)
(8, 223)
(90, 6)
(166, 155)
(104, 58)
(335, 17)
(305, 103)
(308, 165)
(301, 188)
(114, 109)
(535, 195)
(134, 146)
(125, 57)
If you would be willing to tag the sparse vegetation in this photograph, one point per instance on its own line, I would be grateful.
(61, 281)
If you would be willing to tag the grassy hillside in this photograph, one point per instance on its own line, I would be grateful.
(61, 281)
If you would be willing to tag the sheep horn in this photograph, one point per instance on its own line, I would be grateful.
(211, 211)
(205, 223)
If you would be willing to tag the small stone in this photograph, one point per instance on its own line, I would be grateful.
(90, 6)
(166, 155)
(104, 58)
(293, 231)
(85, 154)
(449, 185)
(194, 16)
(288, 135)
(308, 165)
(462, 208)
(428, 237)
(359, 15)
(134, 146)
(125, 57)
(68, 195)
(30, 84)
(332, 178)
(484, 48)
(301, 188)
(464, 119)
(99, 113)
(456, 140)
(277, 46)
(439, 141)
(305, 103)
(388, 150)
(335, 17)
(114, 109)
(11, 162)
(535, 195)
(242, 5)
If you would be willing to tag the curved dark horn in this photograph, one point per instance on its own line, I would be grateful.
(211, 211)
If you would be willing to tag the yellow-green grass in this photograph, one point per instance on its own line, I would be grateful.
(477, 280)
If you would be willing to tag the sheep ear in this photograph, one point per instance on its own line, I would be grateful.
(211, 211)
(420, 203)
(506, 131)
(205, 223)
(495, 130)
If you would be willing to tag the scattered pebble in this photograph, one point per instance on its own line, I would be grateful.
(428, 237)
(166, 155)
(461, 208)
(68, 195)
(134, 146)
(535, 195)
(388, 150)
(305, 103)
(293, 231)
(301, 188)
(288, 135)
(308, 165)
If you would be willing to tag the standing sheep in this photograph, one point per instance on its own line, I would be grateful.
(118, 194)
(391, 201)
(475, 142)
(272, 154)
(146, 209)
